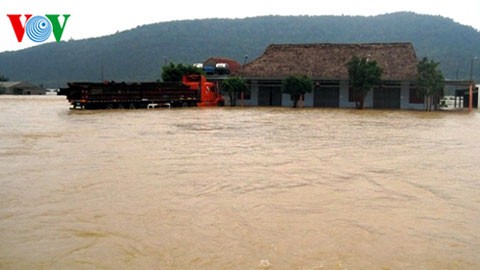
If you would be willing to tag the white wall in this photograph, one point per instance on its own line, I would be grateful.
(343, 102)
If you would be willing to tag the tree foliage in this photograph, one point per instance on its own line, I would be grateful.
(3, 78)
(233, 86)
(430, 82)
(363, 75)
(297, 86)
(174, 73)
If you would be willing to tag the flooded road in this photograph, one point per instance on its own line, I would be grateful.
(237, 188)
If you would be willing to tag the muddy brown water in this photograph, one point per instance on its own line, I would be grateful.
(237, 188)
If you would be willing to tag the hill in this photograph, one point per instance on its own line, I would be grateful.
(138, 54)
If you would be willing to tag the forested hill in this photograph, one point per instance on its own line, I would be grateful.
(138, 54)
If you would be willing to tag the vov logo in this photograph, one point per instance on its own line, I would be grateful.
(38, 28)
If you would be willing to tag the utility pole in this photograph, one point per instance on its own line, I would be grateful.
(470, 88)
(242, 94)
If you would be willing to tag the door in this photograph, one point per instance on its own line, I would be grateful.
(386, 98)
(269, 96)
(327, 97)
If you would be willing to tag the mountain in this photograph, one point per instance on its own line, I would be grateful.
(138, 54)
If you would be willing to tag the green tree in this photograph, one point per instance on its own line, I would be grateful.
(430, 83)
(174, 73)
(297, 86)
(233, 86)
(363, 74)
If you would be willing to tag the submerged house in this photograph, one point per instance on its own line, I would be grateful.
(20, 88)
(326, 65)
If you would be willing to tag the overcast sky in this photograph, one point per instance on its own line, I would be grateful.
(93, 18)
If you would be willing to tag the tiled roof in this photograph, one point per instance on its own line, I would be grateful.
(232, 64)
(9, 84)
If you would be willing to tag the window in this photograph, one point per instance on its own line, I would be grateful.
(352, 96)
(302, 97)
(414, 98)
(246, 95)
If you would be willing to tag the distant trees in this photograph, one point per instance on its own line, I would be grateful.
(174, 73)
(234, 86)
(297, 86)
(430, 83)
(363, 75)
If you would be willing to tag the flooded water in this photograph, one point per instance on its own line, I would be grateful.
(237, 188)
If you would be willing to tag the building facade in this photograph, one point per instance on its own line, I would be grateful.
(326, 65)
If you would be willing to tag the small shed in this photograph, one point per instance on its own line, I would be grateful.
(20, 88)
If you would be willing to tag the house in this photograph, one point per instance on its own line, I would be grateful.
(326, 65)
(20, 88)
